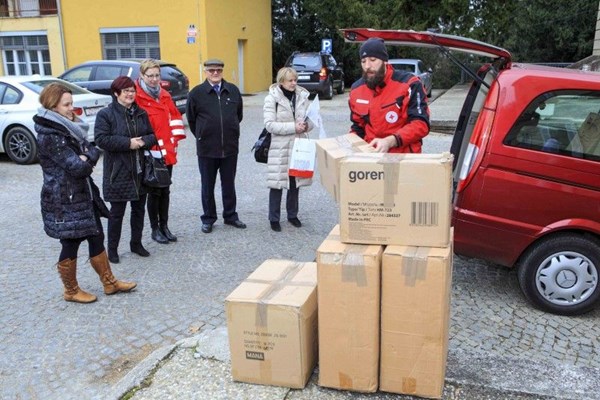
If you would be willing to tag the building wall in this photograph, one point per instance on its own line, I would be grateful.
(48, 24)
(220, 25)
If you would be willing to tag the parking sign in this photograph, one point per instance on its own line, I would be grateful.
(326, 45)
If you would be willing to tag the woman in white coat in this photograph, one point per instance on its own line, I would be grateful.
(284, 114)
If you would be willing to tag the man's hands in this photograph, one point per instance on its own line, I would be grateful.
(384, 145)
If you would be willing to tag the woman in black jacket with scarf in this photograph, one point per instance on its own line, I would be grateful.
(123, 131)
(71, 203)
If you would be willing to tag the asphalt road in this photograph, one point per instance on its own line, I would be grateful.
(52, 349)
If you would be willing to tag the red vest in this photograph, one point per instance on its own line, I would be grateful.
(165, 119)
(398, 108)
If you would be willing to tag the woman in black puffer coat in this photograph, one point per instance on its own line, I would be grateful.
(71, 202)
(123, 131)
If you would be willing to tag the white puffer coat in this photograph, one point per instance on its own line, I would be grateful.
(281, 123)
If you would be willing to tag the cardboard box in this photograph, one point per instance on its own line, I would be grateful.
(272, 324)
(396, 199)
(415, 312)
(330, 152)
(349, 300)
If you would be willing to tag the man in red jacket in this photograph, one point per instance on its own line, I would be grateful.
(388, 107)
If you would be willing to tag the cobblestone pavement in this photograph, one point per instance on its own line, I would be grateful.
(52, 349)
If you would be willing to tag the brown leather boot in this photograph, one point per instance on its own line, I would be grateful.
(111, 284)
(67, 269)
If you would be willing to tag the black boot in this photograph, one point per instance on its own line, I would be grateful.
(138, 249)
(164, 228)
(158, 236)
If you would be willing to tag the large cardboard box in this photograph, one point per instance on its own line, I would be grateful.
(349, 300)
(272, 324)
(415, 312)
(396, 199)
(330, 152)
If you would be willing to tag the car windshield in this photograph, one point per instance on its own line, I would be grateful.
(405, 67)
(307, 61)
(38, 85)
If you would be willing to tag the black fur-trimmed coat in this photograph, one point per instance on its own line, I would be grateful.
(122, 179)
(67, 197)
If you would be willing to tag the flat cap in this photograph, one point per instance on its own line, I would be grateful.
(214, 62)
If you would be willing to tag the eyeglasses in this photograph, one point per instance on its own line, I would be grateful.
(130, 91)
(214, 70)
(152, 76)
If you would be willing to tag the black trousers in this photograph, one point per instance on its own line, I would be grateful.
(158, 204)
(115, 222)
(70, 247)
(291, 202)
(226, 168)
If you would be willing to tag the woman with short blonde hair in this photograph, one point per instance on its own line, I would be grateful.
(284, 114)
(167, 124)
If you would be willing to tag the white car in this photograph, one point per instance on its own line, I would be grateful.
(19, 103)
(417, 68)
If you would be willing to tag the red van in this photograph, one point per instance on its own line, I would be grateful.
(527, 170)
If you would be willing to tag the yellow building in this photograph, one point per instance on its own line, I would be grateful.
(184, 32)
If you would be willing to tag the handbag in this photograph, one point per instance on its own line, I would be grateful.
(156, 174)
(302, 160)
(261, 147)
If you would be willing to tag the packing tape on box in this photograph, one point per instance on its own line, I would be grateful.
(414, 265)
(391, 172)
(289, 273)
(352, 262)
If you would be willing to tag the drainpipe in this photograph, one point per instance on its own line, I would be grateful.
(62, 34)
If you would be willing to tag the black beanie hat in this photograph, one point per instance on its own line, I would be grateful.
(373, 47)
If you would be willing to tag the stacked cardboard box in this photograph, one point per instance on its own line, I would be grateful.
(349, 294)
(402, 201)
(272, 324)
(330, 152)
(415, 310)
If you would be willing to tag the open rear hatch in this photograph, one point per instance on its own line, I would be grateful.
(445, 43)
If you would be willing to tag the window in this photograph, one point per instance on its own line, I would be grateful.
(109, 72)
(136, 43)
(9, 95)
(79, 75)
(25, 55)
(565, 122)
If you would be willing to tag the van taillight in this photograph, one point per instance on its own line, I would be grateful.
(323, 74)
(479, 139)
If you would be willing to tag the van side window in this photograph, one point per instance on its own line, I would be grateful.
(565, 123)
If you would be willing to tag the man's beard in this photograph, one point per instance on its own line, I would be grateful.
(376, 80)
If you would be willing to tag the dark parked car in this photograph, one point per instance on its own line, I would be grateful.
(527, 171)
(318, 73)
(415, 67)
(96, 76)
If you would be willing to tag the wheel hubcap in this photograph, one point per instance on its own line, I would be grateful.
(566, 278)
(19, 146)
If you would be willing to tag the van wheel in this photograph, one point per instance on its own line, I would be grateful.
(328, 93)
(20, 145)
(560, 274)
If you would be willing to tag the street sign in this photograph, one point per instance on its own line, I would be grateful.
(326, 45)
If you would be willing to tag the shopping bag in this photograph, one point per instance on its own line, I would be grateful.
(302, 161)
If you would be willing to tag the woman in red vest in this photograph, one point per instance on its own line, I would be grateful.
(168, 128)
